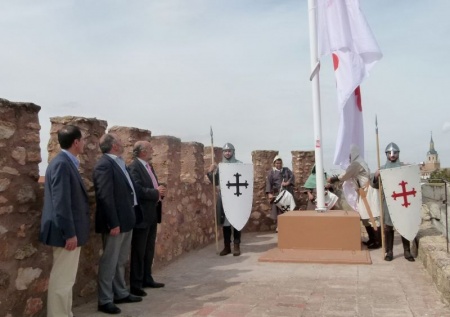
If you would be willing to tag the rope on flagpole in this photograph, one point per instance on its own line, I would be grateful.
(214, 190)
(380, 190)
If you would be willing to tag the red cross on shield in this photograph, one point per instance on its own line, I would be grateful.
(403, 194)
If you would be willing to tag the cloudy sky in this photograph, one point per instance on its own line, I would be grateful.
(177, 67)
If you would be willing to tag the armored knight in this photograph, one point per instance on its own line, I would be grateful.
(228, 153)
(392, 154)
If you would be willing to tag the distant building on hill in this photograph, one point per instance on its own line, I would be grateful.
(432, 162)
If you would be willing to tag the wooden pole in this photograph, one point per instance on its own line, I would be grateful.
(380, 190)
(214, 190)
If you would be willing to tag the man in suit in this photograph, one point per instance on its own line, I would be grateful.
(65, 220)
(115, 218)
(149, 194)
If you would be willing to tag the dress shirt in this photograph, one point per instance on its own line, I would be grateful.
(123, 167)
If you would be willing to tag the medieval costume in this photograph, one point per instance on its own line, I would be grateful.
(331, 200)
(228, 157)
(392, 154)
(356, 183)
(278, 178)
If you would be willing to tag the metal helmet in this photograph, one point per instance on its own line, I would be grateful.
(392, 147)
(228, 146)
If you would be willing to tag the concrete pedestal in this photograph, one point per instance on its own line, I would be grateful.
(308, 236)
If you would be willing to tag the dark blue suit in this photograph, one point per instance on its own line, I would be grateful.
(66, 205)
(144, 234)
(65, 216)
(114, 197)
(115, 200)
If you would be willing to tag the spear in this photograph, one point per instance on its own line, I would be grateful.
(214, 189)
(380, 190)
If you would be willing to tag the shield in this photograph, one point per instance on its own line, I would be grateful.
(236, 188)
(285, 201)
(401, 188)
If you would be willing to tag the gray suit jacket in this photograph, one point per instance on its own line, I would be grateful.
(147, 195)
(66, 206)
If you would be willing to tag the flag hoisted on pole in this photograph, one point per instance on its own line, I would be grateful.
(314, 60)
(344, 33)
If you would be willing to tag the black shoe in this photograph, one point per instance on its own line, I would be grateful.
(129, 299)
(109, 308)
(408, 256)
(389, 256)
(137, 292)
(373, 245)
(153, 285)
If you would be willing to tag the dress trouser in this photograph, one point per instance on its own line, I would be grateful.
(142, 253)
(111, 269)
(62, 279)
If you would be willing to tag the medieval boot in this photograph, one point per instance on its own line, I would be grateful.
(373, 242)
(407, 250)
(226, 250)
(237, 249)
(389, 239)
(226, 240)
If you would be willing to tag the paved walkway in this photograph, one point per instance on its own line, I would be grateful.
(201, 283)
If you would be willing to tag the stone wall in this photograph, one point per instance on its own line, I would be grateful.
(188, 208)
(20, 199)
(433, 195)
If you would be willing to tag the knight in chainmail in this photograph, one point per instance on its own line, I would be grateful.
(393, 160)
(228, 152)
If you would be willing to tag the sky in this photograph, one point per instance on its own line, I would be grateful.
(177, 67)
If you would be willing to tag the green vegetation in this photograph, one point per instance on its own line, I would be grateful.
(438, 175)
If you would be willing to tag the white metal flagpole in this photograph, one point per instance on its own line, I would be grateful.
(314, 78)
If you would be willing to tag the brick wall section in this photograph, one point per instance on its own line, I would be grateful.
(192, 162)
(129, 136)
(20, 201)
(302, 164)
(259, 218)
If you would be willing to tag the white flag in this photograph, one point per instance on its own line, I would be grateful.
(343, 32)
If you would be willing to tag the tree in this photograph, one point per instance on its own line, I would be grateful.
(438, 175)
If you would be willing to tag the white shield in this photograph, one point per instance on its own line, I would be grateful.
(236, 187)
(401, 187)
(285, 201)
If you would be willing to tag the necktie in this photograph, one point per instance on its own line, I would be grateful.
(152, 176)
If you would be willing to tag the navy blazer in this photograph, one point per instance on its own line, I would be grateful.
(148, 196)
(66, 205)
(114, 197)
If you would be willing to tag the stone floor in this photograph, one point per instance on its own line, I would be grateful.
(201, 283)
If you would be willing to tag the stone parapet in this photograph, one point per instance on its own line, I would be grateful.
(129, 136)
(432, 252)
(20, 205)
(302, 164)
(260, 216)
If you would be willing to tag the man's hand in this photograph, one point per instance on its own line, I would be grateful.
(284, 184)
(71, 243)
(115, 231)
(377, 174)
(162, 190)
(212, 168)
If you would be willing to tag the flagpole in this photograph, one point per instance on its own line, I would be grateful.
(214, 189)
(314, 78)
(380, 190)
